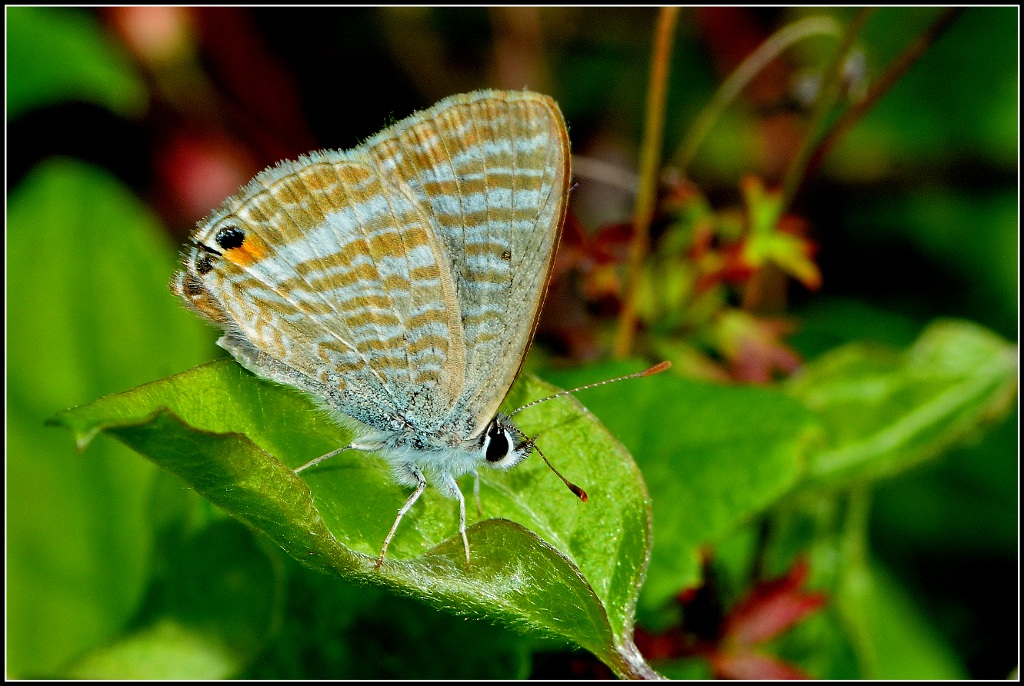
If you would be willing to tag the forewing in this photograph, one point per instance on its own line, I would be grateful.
(493, 168)
(324, 269)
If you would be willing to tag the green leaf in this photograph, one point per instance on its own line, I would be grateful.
(912, 511)
(712, 456)
(338, 630)
(211, 611)
(57, 55)
(165, 650)
(886, 411)
(903, 644)
(88, 313)
(542, 561)
(871, 629)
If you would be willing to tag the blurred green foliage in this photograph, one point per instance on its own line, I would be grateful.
(889, 463)
(89, 314)
(63, 55)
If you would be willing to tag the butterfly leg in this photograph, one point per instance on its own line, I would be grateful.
(476, 493)
(421, 483)
(450, 487)
(318, 460)
(314, 462)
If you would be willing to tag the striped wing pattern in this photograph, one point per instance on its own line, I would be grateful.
(399, 281)
(493, 169)
(341, 279)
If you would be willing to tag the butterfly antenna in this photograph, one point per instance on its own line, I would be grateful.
(656, 369)
(577, 491)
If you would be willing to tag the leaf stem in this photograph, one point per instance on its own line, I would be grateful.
(830, 83)
(855, 582)
(896, 69)
(650, 154)
(744, 74)
(630, 664)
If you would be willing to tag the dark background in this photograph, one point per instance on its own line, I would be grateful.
(915, 214)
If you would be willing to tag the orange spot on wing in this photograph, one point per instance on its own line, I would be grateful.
(252, 249)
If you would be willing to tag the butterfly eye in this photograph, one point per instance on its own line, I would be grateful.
(496, 446)
(502, 452)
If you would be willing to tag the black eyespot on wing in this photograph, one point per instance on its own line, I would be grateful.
(230, 237)
(498, 446)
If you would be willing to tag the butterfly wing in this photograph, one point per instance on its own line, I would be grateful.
(326, 277)
(493, 169)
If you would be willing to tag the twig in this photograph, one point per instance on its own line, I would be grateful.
(743, 74)
(831, 80)
(632, 665)
(896, 69)
(647, 188)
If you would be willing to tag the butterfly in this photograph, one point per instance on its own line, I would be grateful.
(398, 283)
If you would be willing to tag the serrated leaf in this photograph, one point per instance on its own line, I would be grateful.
(887, 410)
(542, 561)
(57, 55)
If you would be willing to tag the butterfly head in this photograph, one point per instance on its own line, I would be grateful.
(504, 446)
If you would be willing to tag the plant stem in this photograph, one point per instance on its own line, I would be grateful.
(855, 581)
(830, 83)
(743, 74)
(628, 663)
(650, 154)
(896, 69)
